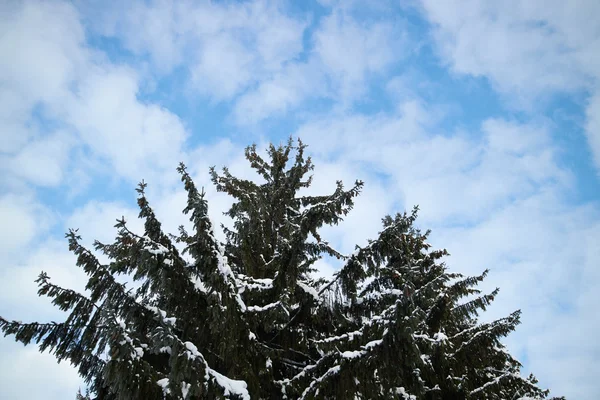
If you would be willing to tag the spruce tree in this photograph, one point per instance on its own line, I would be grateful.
(246, 318)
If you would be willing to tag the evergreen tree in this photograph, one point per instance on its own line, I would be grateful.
(245, 318)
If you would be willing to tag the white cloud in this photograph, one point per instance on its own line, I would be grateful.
(53, 74)
(529, 50)
(248, 44)
(504, 161)
(138, 139)
(593, 127)
(224, 68)
(153, 29)
(44, 43)
(95, 220)
(23, 219)
(43, 160)
(351, 51)
(256, 50)
(343, 56)
(14, 115)
(227, 48)
(286, 90)
(27, 374)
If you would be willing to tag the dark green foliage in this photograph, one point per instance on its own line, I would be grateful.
(245, 319)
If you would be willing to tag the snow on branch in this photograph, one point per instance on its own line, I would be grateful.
(229, 386)
(263, 308)
(309, 290)
(330, 372)
(246, 282)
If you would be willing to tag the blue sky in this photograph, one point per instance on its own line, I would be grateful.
(486, 114)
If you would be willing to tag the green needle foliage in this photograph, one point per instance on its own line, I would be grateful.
(246, 318)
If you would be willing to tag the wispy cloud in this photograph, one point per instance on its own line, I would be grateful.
(225, 47)
(592, 127)
(529, 50)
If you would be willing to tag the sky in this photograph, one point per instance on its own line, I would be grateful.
(486, 114)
